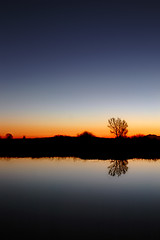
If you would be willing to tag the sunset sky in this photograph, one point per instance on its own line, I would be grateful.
(69, 66)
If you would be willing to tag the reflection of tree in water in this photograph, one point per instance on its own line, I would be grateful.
(118, 167)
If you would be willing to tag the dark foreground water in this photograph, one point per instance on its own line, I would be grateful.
(59, 198)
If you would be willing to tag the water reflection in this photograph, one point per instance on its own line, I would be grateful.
(48, 197)
(118, 167)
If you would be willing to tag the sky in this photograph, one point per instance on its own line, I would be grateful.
(68, 66)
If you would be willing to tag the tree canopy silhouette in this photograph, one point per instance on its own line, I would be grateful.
(9, 136)
(118, 127)
(86, 134)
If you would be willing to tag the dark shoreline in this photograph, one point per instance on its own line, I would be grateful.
(82, 147)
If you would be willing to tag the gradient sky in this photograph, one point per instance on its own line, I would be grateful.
(68, 66)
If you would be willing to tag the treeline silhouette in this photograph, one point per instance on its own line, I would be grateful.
(84, 146)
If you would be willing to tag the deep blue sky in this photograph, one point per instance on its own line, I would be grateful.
(67, 66)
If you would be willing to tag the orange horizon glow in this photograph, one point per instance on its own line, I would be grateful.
(41, 126)
(44, 132)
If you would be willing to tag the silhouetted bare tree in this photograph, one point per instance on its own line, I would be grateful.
(118, 127)
(118, 167)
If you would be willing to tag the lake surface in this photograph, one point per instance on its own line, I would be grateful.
(70, 198)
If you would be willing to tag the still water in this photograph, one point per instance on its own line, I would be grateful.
(69, 197)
